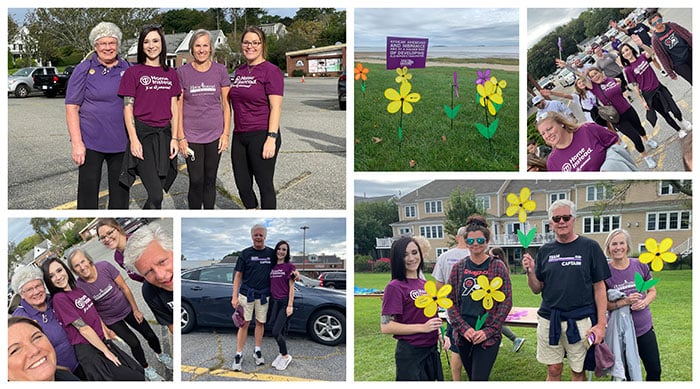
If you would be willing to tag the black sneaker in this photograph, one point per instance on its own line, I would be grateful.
(237, 362)
(259, 360)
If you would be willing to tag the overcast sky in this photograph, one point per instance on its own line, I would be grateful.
(541, 21)
(213, 238)
(387, 186)
(442, 26)
(19, 228)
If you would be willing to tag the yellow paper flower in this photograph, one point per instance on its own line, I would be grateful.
(401, 99)
(403, 75)
(657, 254)
(522, 205)
(489, 96)
(360, 72)
(488, 292)
(500, 85)
(433, 297)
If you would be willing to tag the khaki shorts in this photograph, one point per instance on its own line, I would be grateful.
(255, 306)
(552, 355)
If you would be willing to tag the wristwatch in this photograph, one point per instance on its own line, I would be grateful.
(272, 134)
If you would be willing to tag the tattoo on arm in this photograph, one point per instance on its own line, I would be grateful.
(128, 100)
(78, 323)
(387, 318)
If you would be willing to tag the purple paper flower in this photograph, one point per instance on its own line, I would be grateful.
(456, 84)
(482, 77)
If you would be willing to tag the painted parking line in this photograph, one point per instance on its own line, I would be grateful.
(226, 373)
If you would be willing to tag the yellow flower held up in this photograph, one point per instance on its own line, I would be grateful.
(434, 298)
(403, 75)
(401, 99)
(520, 205)
(657, 254)
(489, 95)
(488, 292)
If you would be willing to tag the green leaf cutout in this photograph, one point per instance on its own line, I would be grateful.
(526, 239)
(643, 286)
(480, 321)
(451, 112)
(489, 131)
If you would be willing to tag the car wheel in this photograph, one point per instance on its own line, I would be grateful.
(330, 286)
(327, 327)
(22, 91)
(341, 104)
(51, 94)
(187, 319)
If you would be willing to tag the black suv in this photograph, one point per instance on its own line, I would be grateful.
(332, 280)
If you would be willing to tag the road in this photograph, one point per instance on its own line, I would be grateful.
(310, 172)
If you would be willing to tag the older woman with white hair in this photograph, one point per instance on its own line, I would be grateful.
(94, 114)
(36, 304)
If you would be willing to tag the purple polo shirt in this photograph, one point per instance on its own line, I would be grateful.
(93, 87)
(610, 92)
(640, 72)
(109, 300)
(152, 89)
(586, 153)
(400, 301)
(73, 305)
(279, 280)
(202, 114)
(249, 93)
(623, 280)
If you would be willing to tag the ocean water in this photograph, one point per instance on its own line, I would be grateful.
(456, 51)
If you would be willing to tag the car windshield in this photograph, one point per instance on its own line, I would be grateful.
(23, 72)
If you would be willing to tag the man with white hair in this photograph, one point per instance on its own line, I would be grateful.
(570, 273)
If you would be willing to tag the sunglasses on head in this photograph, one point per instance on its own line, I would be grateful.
(477, 240)
(557, 219)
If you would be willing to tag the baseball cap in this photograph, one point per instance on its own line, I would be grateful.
(536, 100)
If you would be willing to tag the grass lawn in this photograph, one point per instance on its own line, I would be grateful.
(672, 313)
(428, 137)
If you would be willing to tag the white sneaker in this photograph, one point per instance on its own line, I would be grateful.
(237, 360)
(682, 134)
(152, 375)
(257, 356)
(652, 143)
(277, 360)
(165, 359)
(650, 162)
(283, 363)
(686, 125)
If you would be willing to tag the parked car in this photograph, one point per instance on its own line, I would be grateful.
(206, 301)
(332, 280)
(53, 84)
(566, 78)
(21, 82)
(546, 83)
(342, 80)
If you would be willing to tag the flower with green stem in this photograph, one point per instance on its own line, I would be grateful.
(403, 75)
(488, 291)
(520, 204)
(434, 298)
(490, 95)
(657, 253)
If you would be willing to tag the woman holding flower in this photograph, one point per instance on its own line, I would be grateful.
(622, 271)
(481, 293)
(417, 357)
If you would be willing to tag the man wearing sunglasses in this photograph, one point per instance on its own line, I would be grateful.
(570, 273)
(673, 46)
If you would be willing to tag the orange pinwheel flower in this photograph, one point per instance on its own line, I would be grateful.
(360, 72)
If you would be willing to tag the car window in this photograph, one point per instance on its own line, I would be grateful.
(221, 275)
(193, 275)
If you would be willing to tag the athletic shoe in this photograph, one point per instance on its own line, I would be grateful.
(682, 134)
(165, 359)
(686, 125)
(284, 362)
(650, 162)
(517, 344)
(630, 99)
(152, 375)
(259, 360)
(663, 72)
(652, 144)
(277, 360)
(237, 362)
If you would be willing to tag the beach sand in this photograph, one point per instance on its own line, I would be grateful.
(378, 57)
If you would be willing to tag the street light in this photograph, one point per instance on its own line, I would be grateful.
(303, 259)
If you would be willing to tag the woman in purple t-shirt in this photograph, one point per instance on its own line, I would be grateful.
(113, 236)
(416, 355)
(622, 278)
(150, 91)
(101, 359)
(282, 291)
(653, 94)
(256, 100)
(205, 119)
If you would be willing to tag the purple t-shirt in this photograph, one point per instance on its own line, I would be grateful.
(109, 300)
(73, 305)
(399, 300)
(610, 92)
(152, 89)
(640, 72)
(94, 87)
(249, 93)
(279, 279)
(623, 280)
(586, 153)
(202, 114)
(119, 259)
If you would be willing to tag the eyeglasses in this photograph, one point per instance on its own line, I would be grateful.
(107, 235)
(106, 44)
(248, 43)
(557, 219)
(32, 290)
(658, 21)
(470, 241)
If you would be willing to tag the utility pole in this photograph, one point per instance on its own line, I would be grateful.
(303, 263)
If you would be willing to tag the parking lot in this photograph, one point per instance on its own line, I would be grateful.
(310, 172)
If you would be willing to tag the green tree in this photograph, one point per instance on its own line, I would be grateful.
(462, 204)
(373, 220)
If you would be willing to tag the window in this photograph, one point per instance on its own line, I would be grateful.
(405, 231)
(556, 196)
(410, 211)
(484, 202)
(668, 189)
(596, 192)
(665, 221)
(440, 250)
(431, 232)
(433, 206)
(600, 224)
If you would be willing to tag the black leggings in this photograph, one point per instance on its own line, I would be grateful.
(478, 361)
(631, 126)
(202, 172)
(685, 69)
(248, 163)
(90, 174)
(649, 353)
(278, 317)
(123, 331)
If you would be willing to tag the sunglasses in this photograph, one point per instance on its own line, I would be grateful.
(471, 241)
(657, 21)
(557, 219)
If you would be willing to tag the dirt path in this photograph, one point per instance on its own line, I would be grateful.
(377, 58)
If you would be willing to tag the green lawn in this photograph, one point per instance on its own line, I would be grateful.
(428, 137)
(672, 312)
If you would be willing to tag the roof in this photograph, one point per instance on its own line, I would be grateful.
(316, 50)
(443, 189)
(376, 199)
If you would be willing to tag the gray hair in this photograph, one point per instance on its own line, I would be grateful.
(613, 234)
(562, 203)
(198, 34)
(70, 253)
(25, 274)
(462, 231)
(258, 227)
(106, 29)
(139, 241)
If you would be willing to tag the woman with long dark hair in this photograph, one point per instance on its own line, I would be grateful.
(282, 291)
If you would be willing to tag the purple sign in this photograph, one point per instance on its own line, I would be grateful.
(409, 52)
